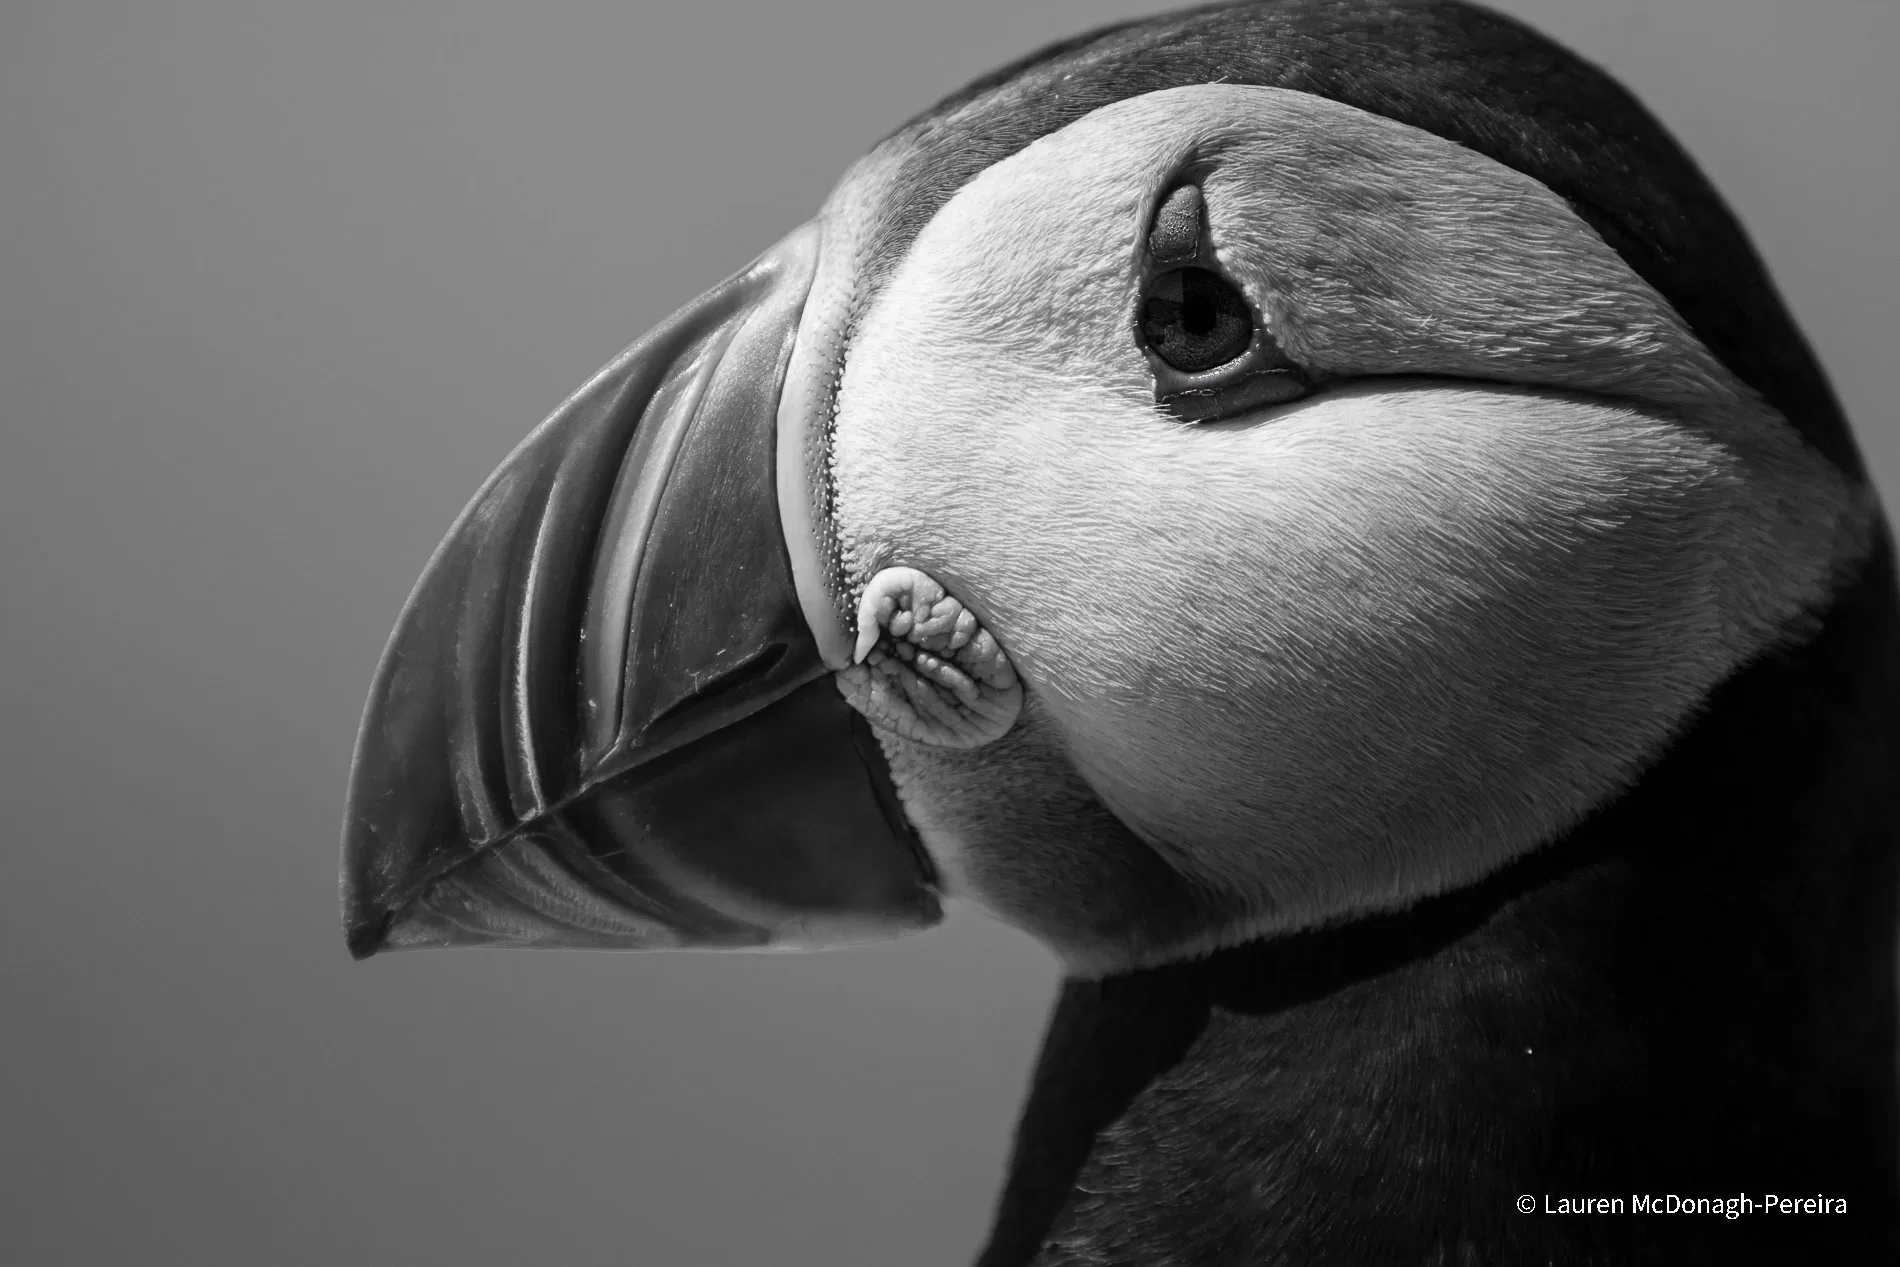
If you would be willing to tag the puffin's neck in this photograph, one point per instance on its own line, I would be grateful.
(1691, 994)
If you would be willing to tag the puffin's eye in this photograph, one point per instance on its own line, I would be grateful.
(1211, 359)
(1195, 321)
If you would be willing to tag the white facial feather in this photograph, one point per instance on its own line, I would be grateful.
(1341, 653)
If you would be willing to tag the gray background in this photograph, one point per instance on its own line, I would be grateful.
(279, 283)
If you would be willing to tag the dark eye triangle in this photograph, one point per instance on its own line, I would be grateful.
(1176, 235)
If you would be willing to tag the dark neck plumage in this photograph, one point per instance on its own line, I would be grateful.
(1690, 995)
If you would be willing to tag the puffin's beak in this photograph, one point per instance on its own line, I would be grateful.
(602, 720)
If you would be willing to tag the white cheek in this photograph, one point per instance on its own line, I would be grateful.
(1375, 643)
(1349, 651)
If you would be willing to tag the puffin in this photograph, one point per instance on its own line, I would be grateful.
(1314, 511)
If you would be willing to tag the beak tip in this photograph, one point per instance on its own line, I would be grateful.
(365, 933)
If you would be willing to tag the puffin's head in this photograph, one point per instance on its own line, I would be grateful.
(1236, 492)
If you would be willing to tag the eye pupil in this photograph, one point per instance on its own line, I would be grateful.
(1198, 316)
(1195, 321)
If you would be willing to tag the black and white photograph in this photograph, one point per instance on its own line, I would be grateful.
(886, 633)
